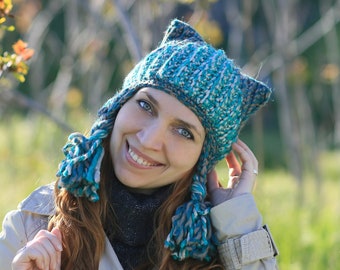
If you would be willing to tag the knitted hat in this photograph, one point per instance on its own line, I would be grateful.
(208, 83)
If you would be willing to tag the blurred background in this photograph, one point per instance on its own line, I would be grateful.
(84, 48)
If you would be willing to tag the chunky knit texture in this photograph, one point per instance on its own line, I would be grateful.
(207, 82)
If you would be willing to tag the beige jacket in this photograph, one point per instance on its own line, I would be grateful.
(245, 244)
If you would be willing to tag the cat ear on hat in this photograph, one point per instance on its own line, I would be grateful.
(255, 94)
(180, 31)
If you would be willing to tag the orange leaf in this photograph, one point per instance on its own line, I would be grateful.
(20, 48)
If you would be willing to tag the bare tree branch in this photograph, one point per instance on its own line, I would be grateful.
(132, 40)
(26, 102)
(297, 46)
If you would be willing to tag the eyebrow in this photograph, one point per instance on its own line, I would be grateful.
(188, 125)
(177, 120)
(152, 99)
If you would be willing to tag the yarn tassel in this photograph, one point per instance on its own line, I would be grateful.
(191, 232)
(79, 172)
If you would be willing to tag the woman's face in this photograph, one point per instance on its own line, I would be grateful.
(155, 141)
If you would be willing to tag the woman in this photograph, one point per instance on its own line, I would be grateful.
(140, 192)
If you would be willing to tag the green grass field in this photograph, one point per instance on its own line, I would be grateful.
(307, 235)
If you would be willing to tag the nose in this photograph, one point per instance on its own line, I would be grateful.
(152, 136)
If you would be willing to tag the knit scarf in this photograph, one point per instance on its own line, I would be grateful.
(135, 218)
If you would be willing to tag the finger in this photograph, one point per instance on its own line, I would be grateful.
(233, 182)
(246, 181)
(50, 246)
(216, 192)
(54, 248)
(53, 238)
(57, 233)
(234, 170)
(233, 164)
(47, 252)
(30, 257)
(58, 243)
(247, 157)
(248, 150)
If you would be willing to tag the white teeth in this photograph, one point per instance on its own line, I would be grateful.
(139, 160)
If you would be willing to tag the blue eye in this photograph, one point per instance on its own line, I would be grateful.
(145, 105)
(185, 133)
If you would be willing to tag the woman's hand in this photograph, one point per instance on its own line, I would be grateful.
(241, 176)
(43, 252)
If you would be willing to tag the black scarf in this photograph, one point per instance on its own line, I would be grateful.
(134, 214)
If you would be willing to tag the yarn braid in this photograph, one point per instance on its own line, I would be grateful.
(191, 235)
(79, 172)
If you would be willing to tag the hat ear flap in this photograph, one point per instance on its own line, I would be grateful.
(181, 31)
(254, 95)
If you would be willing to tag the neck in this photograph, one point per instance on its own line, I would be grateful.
(135, 216)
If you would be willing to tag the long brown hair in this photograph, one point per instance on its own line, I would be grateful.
(82, 224)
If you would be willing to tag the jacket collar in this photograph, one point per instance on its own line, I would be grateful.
(40, 201)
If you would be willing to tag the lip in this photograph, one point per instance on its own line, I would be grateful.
(144, 162)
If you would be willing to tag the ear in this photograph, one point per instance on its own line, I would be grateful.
(181, 31)
(254, 95)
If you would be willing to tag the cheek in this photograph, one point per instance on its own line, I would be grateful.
(113, 143)
(120, 127)
(185, 157)
(126, 119)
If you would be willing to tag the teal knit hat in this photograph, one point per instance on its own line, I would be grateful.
(207, 82)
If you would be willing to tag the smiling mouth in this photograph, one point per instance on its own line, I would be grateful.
(140, 160)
